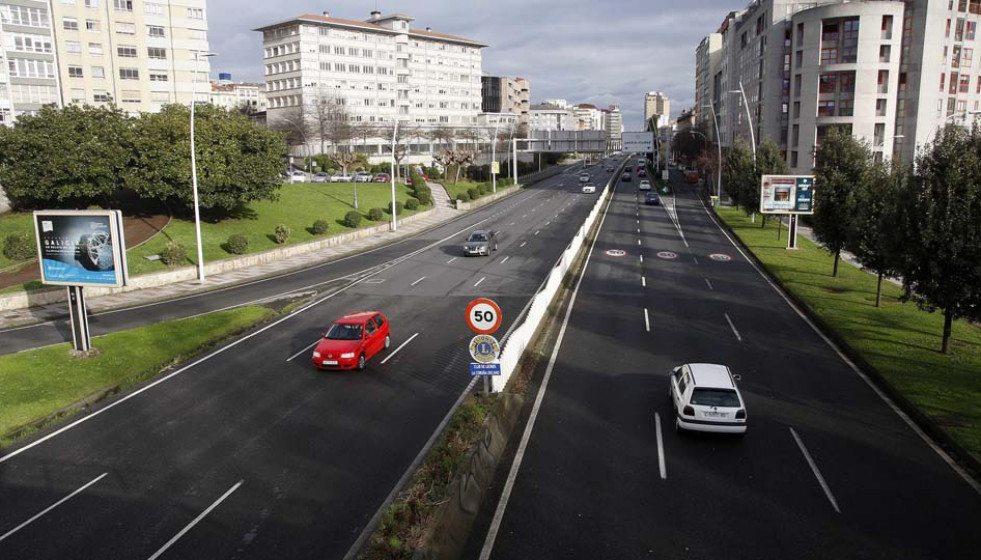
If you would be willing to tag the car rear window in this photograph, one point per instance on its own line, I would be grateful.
(715, 397)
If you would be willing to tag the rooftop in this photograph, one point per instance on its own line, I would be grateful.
(370, 25)
(711, 375)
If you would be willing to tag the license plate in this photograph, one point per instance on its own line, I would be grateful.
(330, 362)
(716, 414)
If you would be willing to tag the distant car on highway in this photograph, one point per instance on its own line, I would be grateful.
(589, 188)
(625, 177)
(652, 199)
(352, 340)
(644, 185)
(480, 242)
(584, 177)
(609, 169)
(705, 398)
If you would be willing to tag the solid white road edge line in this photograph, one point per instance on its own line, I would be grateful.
(814, 468)
(401, 346)
(51, 507)
(660, 447)
(733, 327)
(522, 245)
(885, 398)
(709, 284)
(290, 359)
(417, 281)
(195, 522)
(519, 454)
(479, 281)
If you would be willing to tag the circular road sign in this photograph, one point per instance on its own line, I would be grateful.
(484, 348)
(667, 255)
(721, 257)
(483, 316)
(616, 253)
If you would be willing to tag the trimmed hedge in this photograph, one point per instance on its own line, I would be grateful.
(376, 214)
(283, 233)
(352, 219)
(173, 254)
(411, 204)
(19, 246)
(320, 227)
(238, 244)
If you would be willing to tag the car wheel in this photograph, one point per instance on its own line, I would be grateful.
(388, 341)
(361, 362)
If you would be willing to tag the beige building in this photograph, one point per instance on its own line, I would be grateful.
(28, 63)
(506, 95)
(241, 96)
(657, 103)
(139, 53)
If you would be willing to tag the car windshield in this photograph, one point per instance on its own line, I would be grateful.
(715, 397)
(478, 237)
(344, 331)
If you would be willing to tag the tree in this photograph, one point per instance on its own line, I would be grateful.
(237, 161)
(331, 120)
(876, 228)
(66, 158)
(842, 165)
(296, 127)
(738, 172)
(769, 161)
(940, 213)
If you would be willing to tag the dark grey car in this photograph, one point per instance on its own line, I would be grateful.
(480, 242)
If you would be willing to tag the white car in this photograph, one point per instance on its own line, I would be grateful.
(588, 189)
(584, 177)
(342, 178)
(297, 177)
(644, 185)
(705, 398)
(363, 177)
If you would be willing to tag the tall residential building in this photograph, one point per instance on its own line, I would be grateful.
(708, 58)
(589, 117)
(379, 69)
(506, 95)
(28, 60)
(551, 117)
(141, 54)
(657, 103)
(614, 123)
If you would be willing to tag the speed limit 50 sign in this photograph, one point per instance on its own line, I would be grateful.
(483, 316)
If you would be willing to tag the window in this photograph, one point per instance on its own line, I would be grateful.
(848, 54)
(126, 51)
(846, 107)
(943, 77)
(880, 107)
(964, 85)
(125, 28)
(829, 55)
(92, 25)
(959, 30)
(20, 68)
(970, 30)
(195, 13)
(826, 109)
(28, 17)
(846, 82)
(98, 72)
(849, 30)
(91, 3)
(129, 74)
(883, 81)
(828, 83)
(158, 77)
(131, 96)
(967, 57)
(95, 49)
(69, 23)
(156, 52)
(947, 29)
(123, 5)
(34, 43)
(153, 9)
(884, 53)
(886, 28)
(796, 109)
(155, 31)
(78, 95)
(829, 34)
(73, 47)
(75, 72)
(100, 97)
(962, 106)
(879, 133)
(953, 83)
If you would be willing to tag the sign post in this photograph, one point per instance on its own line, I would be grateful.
(788, 194)
(484, 318)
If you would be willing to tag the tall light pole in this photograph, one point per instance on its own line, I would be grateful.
(395, 132)
(749, 118)
(718, 143)
(194, 167)
(494, 155)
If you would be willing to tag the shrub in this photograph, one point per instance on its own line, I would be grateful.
(283, 233)
(411, 204)
(173, 254)
(376, 214)
(465, 197)
(398, 207)
(474, 193)
(19, 246)
(238, 243)
(425, 198)
(352, 219)
(320, 227)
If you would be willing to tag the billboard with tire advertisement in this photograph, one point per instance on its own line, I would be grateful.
(81, 247)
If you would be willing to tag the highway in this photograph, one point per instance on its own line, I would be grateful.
(827, 468)
(248, 452)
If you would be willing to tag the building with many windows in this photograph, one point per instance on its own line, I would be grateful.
(657, 103)
(241, 96)
(546, 116)
(28, 59)
(614, 123)
(506, 95)
(378, 70)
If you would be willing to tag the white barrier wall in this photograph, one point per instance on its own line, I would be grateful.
(517, 342)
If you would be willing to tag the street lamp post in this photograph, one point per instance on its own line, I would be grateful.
(194, 167)
(718, 143)
(749, 118)
(395, 132)
(494, 156)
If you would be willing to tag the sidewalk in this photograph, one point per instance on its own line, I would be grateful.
(442, 212)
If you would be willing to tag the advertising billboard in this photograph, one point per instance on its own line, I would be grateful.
(81, 247)
(642, 142)
(787, 194)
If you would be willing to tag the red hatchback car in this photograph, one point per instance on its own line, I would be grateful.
(352, 340)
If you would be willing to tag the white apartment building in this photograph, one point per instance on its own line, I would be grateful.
(141, 54)
(379, 70)
(560, 103)
(238, 96)
(614, 123)
(551, 117)
(657, 103)
(28, 59)
(589, 117)
(708, 58)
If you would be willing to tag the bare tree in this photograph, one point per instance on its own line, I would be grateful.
(364, 131)
(401, 147)
(295, 123)
(331, 120)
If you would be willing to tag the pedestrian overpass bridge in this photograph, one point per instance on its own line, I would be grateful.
(568, 141)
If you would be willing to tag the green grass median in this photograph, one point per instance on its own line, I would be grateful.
(37, 385)
(900, 341)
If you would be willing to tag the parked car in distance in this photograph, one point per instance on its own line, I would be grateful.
(584, 177)
(625, 177)
(644, 185)
(609, 169)
(589, 188)
(352, 340)
(480, 242)
(652, 199)
(382, 178)
(321, 177)
(705, 398)
(342, 178)
(296, 176)
(362, 177)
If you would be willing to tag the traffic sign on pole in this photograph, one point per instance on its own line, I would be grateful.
(483, 316)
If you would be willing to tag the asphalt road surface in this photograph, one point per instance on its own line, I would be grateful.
(826, 470)
(251, 453)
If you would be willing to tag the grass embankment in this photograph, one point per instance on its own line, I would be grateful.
(299, 206)
(38, 384)
(901, 342)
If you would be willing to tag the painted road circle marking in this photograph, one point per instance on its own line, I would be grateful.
(667, 255)
(483, 316)
(616, 253)
(721, 257)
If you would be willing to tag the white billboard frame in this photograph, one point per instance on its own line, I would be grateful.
(642, 142)
(73, 253)
(787, 194)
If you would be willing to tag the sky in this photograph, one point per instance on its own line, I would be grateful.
(584, 51)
